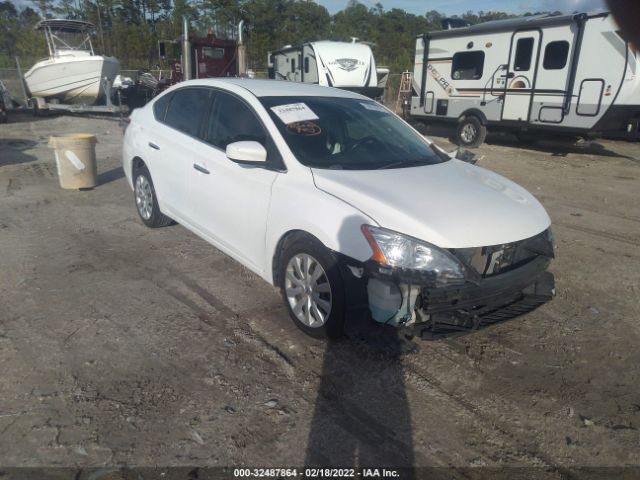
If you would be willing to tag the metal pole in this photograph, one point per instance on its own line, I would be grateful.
(186, 50)
(242, 53)
(22, 83)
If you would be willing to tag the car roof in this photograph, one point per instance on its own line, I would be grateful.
(272, 88)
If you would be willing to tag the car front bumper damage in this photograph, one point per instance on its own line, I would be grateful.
(414, 304)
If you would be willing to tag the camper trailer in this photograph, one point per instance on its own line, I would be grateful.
(570, 75)
(346, 65)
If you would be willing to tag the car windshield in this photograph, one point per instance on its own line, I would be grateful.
(348, 133)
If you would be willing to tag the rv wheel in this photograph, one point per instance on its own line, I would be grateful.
(471, 133)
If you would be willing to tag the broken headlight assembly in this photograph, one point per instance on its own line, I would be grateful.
(397, 251)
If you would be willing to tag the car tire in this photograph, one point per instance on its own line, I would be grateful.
(314, 298)
(470, 132)
(144, 196)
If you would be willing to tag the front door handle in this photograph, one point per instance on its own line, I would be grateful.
(201, 169)
(154, 146)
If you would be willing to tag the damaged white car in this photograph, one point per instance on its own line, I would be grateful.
(334, 199)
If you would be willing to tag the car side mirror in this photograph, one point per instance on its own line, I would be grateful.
(246, 152)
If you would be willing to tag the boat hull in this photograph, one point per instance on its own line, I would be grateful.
(71, 79)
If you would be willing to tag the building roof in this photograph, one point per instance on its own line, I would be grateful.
(62, 25)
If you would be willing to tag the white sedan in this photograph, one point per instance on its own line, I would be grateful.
(340, 203)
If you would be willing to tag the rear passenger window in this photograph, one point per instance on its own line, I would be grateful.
(160, 106)
(555, 55)
(187, 110)
(232, 121)
(467, 65)
(524, 49)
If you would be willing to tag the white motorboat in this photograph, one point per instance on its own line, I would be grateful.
(73, 73)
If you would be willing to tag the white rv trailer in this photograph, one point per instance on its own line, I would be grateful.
(570, 75)
(346, 65)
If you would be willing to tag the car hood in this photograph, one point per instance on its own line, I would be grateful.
(451, 204)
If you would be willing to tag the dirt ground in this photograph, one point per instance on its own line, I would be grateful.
(121, 345)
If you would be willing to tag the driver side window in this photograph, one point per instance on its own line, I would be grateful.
(231, 120)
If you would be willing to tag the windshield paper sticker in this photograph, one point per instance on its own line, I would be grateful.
(294, 112)
(373, 106)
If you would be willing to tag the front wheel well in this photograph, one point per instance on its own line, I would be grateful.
(285, 240)
(136, 164)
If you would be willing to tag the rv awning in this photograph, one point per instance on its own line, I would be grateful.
(60, 25)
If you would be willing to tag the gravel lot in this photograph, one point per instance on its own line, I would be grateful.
(122, 345)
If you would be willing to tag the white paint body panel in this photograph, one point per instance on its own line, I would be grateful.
(246, 211)
(452, 204)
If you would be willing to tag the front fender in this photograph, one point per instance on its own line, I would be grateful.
(298, 205)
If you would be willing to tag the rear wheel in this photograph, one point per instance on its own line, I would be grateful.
(312, 288)
(146, 200)
(470, 133)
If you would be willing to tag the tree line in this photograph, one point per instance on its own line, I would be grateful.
(131, 29)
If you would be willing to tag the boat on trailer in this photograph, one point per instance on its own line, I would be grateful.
(73, 73)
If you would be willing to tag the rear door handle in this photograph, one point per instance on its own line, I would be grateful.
(154, 146)
(201, 169)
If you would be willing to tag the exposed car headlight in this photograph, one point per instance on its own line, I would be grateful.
(396, 250)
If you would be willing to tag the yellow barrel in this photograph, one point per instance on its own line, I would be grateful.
(76, 160)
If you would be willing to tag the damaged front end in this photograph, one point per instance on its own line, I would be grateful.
(434, 292)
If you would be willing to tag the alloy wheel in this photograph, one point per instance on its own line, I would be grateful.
(308, 290)
(144, 197)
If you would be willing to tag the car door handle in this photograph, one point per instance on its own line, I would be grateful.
(154, 146)
(201, 169)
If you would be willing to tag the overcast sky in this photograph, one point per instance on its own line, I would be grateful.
(452, 7)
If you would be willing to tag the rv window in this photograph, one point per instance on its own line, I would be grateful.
(555, 55)
(306, 64)
(293, 64)
(524, 49)
(467, 65)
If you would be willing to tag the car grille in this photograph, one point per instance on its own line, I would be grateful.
(473, 315)
(495, 259)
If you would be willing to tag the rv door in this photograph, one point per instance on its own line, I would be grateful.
(520, 75)
(309, 65)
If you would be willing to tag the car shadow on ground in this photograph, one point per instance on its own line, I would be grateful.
(558, 146)
(14, 151)
(362, 376)
(110, 175)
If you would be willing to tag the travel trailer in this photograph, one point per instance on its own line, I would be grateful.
(570, 75)
(346, 65)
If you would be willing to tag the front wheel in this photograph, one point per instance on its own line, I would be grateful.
(146, 200)
(471, 133)
(312, 288)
